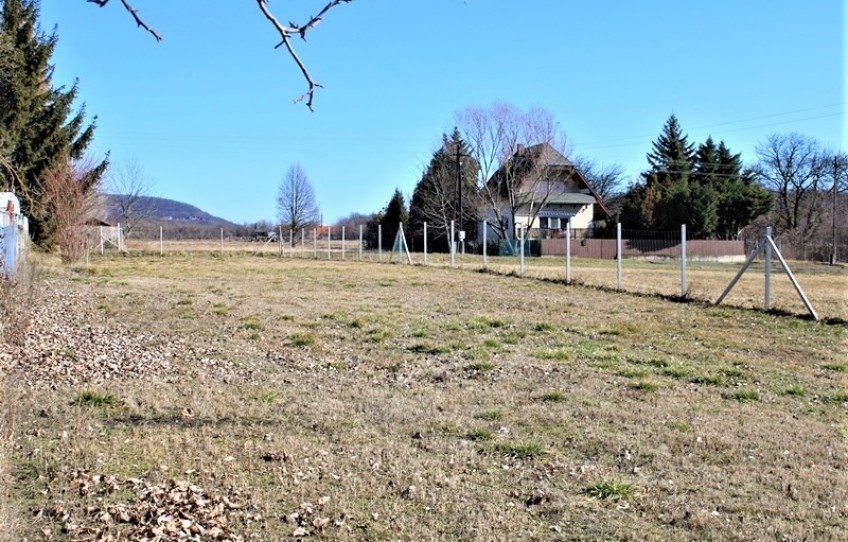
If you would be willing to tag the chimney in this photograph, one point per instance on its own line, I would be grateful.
(519, 149)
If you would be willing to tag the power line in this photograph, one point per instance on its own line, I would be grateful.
(601, 143)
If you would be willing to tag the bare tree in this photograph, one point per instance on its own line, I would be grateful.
(352, 222)
(297, 206)
(129, 185)
(794, 168)
(605, 179)
(71, 199)
(286, 31)
(513, 178)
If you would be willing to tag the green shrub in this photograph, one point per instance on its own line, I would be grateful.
(520, 450)
(95, 399)
(613, 490)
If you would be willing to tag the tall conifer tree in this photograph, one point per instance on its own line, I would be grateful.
(662, 201)
(435, 198)
(38, 125)
(707, 189)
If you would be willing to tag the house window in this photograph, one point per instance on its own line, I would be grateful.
(543, 223)
(553, 223)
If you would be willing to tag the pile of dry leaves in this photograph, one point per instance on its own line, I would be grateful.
(171, 510)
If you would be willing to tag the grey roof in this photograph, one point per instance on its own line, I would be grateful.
(546, 154)
(573, 198)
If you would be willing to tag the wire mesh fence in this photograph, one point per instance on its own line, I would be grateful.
(651, 263)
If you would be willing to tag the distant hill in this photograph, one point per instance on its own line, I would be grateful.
(164, 211)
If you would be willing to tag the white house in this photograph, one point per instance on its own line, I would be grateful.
(540, 189)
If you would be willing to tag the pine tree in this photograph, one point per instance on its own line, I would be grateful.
(706, 184)
(389, 219)
(435, 198)
(670, 157)
(662, 202)
(38, 127)
(742, 199)
(708, 189)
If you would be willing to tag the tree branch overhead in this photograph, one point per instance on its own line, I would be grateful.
(134, 12)
(286, 33)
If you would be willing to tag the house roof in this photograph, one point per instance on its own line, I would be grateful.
(97, 222)
(543, 154)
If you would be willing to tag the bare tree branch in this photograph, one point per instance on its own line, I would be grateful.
(286, 33)
(129, 186)
(134, 12)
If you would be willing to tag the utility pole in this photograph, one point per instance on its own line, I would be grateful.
(833, 210)
(459, 191)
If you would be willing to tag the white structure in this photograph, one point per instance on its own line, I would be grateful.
(10, 209)
(14, 233)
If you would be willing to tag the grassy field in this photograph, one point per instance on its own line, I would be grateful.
(826, 286)
(323, 400)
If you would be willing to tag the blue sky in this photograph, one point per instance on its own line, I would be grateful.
(209, 112)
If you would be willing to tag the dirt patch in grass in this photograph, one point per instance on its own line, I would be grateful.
(619, 418)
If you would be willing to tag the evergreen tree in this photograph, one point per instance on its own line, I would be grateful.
(743, 199)
(662, 202)
(435, 199)
(39, 129)
(670, 157)
(394, 215)
(388, 221)
(705, 187)
(671, 164)
(737, 200)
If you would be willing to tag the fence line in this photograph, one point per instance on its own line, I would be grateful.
(665, 255)
(586, 244)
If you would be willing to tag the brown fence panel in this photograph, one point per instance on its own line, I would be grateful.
(604, 249)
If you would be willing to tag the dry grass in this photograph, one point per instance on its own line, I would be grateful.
(16, 297)
(412, 403)
(824, 285)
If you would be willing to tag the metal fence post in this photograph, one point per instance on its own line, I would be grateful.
(568, 251)
(485, 244)
(314, 243)
(425, 243)
(360, 242)
(343, 243)
(521, 251)
(329, 242)
(767, 271)
(618, 253)
(453, 245)
(161, 243)
(302, 243)
(683, 286)
(222, 242)
(379, 242)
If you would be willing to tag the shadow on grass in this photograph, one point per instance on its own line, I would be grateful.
(673, 298)
(190, 422)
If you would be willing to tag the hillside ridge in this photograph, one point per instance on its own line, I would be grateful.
(163, 210)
